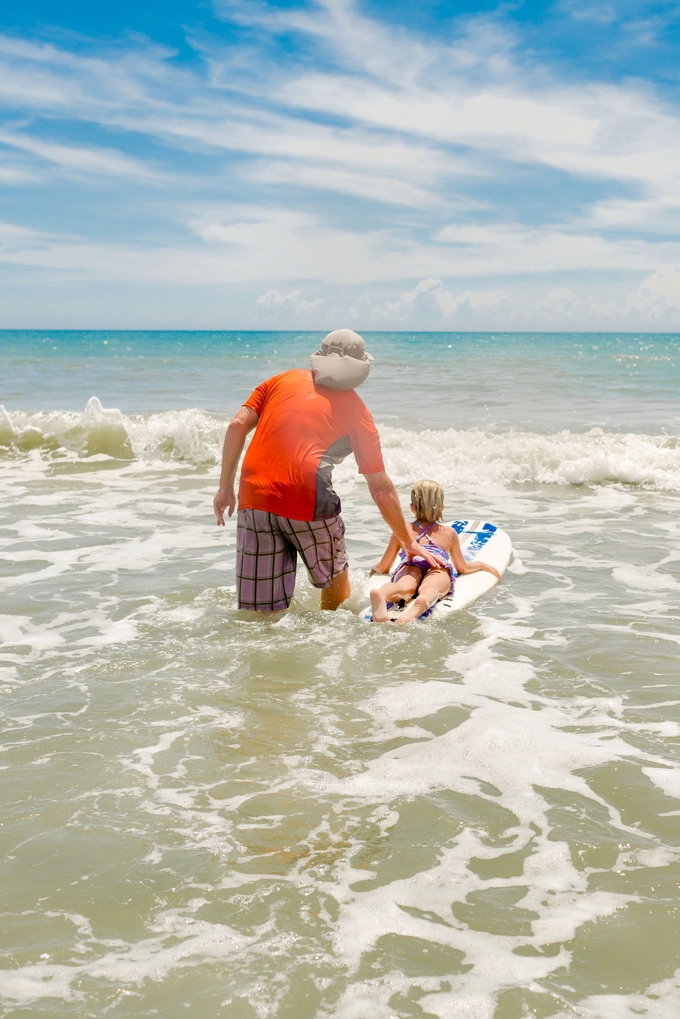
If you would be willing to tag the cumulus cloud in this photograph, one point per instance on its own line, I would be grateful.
(293, 299)
(432, 294)
(658, 295)
(561, 302)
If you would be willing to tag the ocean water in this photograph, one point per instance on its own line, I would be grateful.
(205, 815)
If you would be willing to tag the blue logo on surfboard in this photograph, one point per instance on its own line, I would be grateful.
(478, 538)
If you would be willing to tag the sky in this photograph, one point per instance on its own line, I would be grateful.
(235, 164)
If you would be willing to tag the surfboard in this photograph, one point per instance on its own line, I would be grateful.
(480, 541)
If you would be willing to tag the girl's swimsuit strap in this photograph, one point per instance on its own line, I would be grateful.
(424, 530)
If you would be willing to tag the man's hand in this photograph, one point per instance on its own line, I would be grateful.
(386, 499)
(225, 499)
(414, 549)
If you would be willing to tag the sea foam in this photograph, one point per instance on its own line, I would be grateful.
(189, 435)
(454, 456)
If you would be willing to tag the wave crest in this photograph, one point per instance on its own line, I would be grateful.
(191, 435)
(454, 457)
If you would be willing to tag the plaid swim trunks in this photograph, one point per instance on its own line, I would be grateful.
(267, 548)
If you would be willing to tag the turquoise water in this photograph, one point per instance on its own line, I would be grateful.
(420, 380)
(203, 815)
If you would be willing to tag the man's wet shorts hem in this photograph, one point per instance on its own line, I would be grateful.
(267, 547)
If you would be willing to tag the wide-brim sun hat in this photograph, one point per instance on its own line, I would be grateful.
(342, 361)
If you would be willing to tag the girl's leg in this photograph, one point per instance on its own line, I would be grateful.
(405, 586)
(436, 584)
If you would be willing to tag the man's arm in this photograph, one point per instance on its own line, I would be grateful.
(242, 422)
(384, 495)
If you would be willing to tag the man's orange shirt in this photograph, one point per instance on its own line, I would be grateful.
(303, 430)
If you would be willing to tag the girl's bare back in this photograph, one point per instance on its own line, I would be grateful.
(445, 537)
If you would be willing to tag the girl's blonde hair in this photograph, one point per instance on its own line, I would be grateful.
(427, 499)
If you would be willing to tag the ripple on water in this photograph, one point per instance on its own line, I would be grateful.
(310, 817)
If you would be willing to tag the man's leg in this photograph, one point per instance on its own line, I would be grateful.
(321, 543)
(265, 563)
(337, 593)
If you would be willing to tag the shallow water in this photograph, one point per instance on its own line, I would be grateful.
(209, 815)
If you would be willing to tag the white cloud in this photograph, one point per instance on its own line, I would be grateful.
(362, 43)
(424, 90)
(434, 293)
(403, 102)
(81, 160)
(561, 302)
(481, 118)
(658, 295)
(514, 249)
(658, 215)
(481, 299)
(140, 92)
(293, 299)
(228, 128)
(16, 175)
(265, 246)
(410, 136)
(390, 190)
(599, 13)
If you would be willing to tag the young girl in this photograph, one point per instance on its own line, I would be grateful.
(428, 583)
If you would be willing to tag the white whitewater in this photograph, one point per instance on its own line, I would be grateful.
(315, 818)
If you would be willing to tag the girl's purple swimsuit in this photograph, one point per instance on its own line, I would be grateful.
(423, 564)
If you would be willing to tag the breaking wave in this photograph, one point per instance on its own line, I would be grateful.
(453, 456)
(515, 456)
(192, 435)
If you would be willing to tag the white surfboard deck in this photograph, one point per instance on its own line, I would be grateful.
(480, 541)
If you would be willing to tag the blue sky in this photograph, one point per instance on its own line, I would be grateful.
(401, 165)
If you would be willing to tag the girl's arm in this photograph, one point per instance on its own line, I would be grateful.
(384, 495)
(388, 558)
(463, 567)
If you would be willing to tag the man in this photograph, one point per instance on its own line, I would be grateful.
(305, 421)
